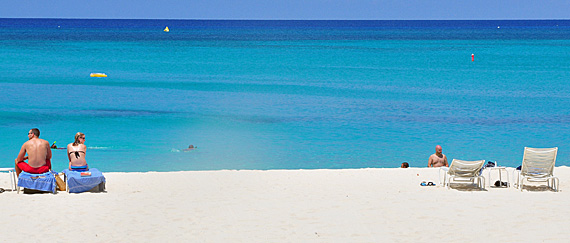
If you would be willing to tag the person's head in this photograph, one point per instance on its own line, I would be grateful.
(79, 139)
(191, 146)
(438, 149)
(405, 165)
(34, 132)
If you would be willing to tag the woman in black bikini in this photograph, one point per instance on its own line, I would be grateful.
(76, 153)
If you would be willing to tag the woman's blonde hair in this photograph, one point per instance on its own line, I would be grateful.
(77, 136)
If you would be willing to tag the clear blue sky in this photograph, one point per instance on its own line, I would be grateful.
(288, 9)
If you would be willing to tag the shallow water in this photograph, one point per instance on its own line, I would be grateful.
(284, 94)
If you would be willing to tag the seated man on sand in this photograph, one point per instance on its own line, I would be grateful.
(438, 159)
(39, 155)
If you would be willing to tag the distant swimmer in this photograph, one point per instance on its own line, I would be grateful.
(190, 147)
(53, 146)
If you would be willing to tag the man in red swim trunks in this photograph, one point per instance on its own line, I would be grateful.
(39, 155)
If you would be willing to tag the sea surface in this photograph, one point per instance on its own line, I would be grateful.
(285, 94)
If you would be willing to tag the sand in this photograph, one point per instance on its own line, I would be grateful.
(360, 205)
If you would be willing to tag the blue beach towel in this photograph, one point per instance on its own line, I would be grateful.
(77, 183)
(41, 182)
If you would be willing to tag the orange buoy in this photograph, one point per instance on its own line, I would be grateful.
(472, 57)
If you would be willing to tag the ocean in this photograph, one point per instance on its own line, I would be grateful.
(285, 94)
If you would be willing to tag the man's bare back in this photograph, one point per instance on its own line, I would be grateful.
(38, 151)
(438, 159)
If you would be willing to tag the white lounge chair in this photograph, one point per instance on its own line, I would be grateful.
(538, 166)
(466, 171)
(12, 173)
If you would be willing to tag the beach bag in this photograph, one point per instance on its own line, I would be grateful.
(59, 182)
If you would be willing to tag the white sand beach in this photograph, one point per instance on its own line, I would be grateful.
(350, 205)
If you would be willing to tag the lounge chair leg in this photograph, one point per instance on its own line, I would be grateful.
(555, 184)
(479, 183)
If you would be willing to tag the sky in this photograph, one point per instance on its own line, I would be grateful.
(288, 9)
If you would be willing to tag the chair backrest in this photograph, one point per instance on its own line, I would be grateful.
(538, 162)
(464, 168)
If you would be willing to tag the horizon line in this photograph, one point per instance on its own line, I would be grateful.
(221, 19)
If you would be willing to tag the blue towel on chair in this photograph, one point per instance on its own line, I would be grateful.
(77, 183)
(42, 182)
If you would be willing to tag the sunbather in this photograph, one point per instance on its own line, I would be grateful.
(39, 155)
(438, 159)
(76, 153)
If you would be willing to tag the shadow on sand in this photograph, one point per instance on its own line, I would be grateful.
(465, 187)
(537, 188)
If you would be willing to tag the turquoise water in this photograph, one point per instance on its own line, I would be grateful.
(285, 94)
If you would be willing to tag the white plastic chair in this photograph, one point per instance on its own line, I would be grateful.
(538, 166)
(466, 171)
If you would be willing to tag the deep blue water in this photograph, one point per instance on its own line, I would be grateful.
(285, 94)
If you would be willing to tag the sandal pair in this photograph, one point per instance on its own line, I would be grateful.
(427, 184)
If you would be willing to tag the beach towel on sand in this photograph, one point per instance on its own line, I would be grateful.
(41, 182)
(78, 183)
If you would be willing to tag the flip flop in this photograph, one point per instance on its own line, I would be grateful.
(501, 184)
(497, 183)
(423, 183)
(431, 184)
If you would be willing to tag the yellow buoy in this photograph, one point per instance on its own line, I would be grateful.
(166, 29)
(98, 75)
